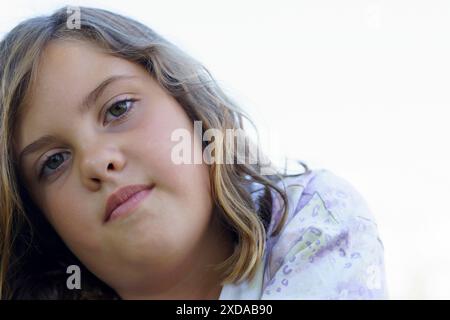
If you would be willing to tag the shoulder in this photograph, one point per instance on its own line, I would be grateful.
(329, 245)
(326, 190)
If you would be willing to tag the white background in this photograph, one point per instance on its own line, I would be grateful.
(357, 87)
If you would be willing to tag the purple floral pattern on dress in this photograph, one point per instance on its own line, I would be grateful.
(328, 248)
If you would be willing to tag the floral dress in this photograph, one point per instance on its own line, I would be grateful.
(328, 248)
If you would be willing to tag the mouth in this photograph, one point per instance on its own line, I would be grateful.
(125, 200)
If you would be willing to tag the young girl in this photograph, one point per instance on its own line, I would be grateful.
(88, 179)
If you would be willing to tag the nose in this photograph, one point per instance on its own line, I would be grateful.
(100, 164)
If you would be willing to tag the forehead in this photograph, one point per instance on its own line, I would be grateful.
(67, 71)
(68, 68)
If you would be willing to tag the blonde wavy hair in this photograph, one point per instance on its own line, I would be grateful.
(31, 253)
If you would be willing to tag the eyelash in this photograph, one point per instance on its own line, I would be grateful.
(120, 118)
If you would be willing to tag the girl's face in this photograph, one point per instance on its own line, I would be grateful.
(96, 150)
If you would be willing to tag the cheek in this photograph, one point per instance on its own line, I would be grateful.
(188, 184)
(74, 221)
(155, 145)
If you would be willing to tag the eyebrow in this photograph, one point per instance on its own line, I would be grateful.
(88, 101)
(37, 145)
(92, 97)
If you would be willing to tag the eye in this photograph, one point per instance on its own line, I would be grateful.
(53, 163)
(120, 109)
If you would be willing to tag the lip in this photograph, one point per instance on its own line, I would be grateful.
(125, 200)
